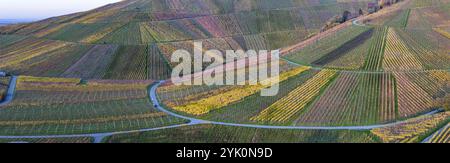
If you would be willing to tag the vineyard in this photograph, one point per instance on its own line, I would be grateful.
(350, 99)
(442, 32)
(417, 20)
(419, 3)
(411, 98)
(434, 82)
(29, 48)
(242, 111)
(327, 49)
(226, 134)
(62, 106)
(225, 98)
(93, 64)
(135, 24)
(442, 136)
(432, 58)
(376, 50)
(397, 55)
(366, 72)
(40, 61)
(129, 34)
(49, 140)
(137, 63)
(401, 20)
(412, 131)
(353, 59)
(354, 99)
(285, 108)
(4, 82)
(344, 48)
(6, 40)
(77, 32)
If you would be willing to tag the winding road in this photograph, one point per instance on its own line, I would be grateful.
(155, 101)
(10, 93)
(428, 139)
(98, 137)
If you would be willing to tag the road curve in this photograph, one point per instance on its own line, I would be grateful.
(155, 101)
(356, 22)
(10, 93)
(98, 137)
(428, 139)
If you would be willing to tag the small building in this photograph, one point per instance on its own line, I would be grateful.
(2, 73)
(353, 15)
(372, 7)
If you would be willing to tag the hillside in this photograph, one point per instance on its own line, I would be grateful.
(134, 39)
(380, 76)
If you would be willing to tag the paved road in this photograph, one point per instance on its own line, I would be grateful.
(98, 137)
(428, 139)
(356, 22)
(155, 101)
(10, 93)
